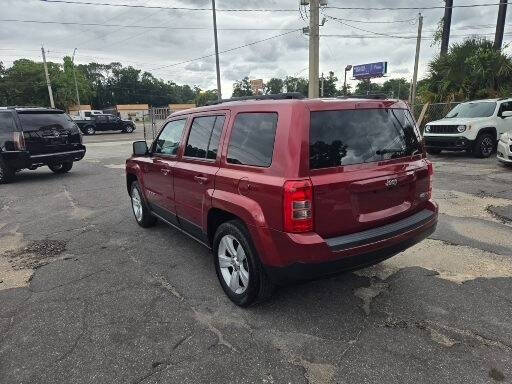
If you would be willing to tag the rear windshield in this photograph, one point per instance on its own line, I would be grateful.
(35, 121)
(340, 138)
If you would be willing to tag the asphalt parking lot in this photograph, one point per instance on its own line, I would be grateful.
(87, 296)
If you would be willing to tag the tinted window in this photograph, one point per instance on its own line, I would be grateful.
(252, 139)
(35, 121)
(507, 106)
(170, 137)
(213, 146)
(6, 122)
(361, 136)
(203, 140)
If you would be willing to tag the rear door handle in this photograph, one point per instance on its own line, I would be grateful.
(201, 179)
(165, 171)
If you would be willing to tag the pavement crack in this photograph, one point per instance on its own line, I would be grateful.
(206, 321)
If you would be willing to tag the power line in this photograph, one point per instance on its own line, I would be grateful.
(169, 8)
(226, 50)
(374, 22)
(362, 29)
(410, 8)
(143, 26)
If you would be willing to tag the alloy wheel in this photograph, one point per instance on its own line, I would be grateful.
(137, 204)
(487, 146)
(233, 264)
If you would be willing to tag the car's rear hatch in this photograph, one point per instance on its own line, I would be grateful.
(367, 168)
(49, 132)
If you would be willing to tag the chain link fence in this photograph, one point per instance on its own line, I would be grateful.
(425, 113)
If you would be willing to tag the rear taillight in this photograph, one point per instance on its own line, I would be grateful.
(19, 141)
(298, 206)
(430, 178)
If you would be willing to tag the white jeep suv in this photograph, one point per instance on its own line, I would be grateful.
(474, 126)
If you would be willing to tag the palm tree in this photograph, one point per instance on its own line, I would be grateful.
(471, 69)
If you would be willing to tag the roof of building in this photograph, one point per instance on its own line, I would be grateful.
(83, 107)
(131, 107)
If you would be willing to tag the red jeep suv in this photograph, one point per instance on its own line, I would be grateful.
(283, 188)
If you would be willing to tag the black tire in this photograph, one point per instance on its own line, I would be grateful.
(484, 145)
(89, 130)
(6, 172)
(146, 219)
(61, 168)
(259, 287)
(433, 151)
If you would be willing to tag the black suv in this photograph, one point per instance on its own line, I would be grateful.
(34, 137)
(105, 123)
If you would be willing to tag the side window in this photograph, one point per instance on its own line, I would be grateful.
(252, 139)
(6, 122)
(203, 140)
(169, 139)
(507, 106)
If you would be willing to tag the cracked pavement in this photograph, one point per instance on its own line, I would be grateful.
(92, 298)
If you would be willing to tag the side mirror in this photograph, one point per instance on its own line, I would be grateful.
(140, 148)
(505, 114)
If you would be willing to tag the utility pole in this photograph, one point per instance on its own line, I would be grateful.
(447, 22)
(322, 86)
(416, 60)
(500, 25)
(347, 68)
(76, 85)
(314, 20)
(219, 90)
(52, 104)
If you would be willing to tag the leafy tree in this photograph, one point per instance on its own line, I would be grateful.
(296, 84)
(206, 97)
(471, 69)
(330, 85)
(396, 88)
(365, 87)
(274, 86)
(242, 88)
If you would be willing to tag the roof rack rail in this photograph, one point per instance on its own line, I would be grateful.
(375, 96)
(277, 96)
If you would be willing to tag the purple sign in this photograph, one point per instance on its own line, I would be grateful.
(366, 71)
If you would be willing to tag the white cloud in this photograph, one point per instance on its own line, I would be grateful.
(148, 49)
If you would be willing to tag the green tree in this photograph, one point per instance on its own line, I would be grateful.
(396, 88)
(330, 85)
(296, 84)
(205, 97)
(274, 86)
(471, 69)
(242, 88)
(365, 87)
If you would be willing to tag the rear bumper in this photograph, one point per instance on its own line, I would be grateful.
(23, 159)
(306, 256)
(449, 143)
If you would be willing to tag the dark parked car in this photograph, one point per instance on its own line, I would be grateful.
(105, 123)
(285, 189)
(34, 137)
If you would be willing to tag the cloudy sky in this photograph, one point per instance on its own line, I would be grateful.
(173, 48)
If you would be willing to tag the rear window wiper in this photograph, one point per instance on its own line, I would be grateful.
(389, 150)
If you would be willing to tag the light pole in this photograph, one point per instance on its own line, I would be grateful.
(347, 68)
(76, 85)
